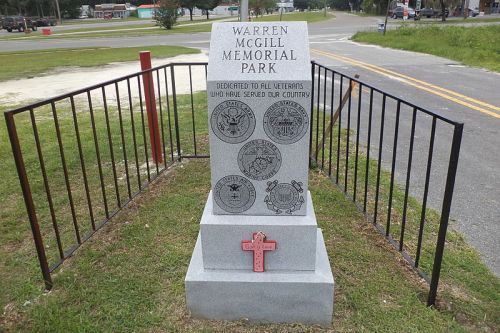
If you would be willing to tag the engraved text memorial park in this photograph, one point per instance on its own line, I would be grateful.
(260, 254)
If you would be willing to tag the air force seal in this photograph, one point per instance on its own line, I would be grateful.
(232, 121)
(286, 122)
(284, 197)
(234, 194)
(259, 159)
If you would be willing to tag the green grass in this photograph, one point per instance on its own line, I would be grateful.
(119, 31)
(309, 17)
(17, 65)
(474, 46)
(186, 27)
(469, 20)
(129, 276)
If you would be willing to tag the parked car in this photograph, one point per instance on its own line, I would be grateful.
(46, 21)
(430, 12)
(18, 23)
(399, 12)
(393, 6)
(427, 12)
(469, 12)
(474, 12)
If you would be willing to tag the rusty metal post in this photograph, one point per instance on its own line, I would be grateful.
(28, 199)
(149, 95)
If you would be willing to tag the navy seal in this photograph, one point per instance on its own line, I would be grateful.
(284, 197)
(259, 159)
(286, 122)
(232, 121)
(234, 194)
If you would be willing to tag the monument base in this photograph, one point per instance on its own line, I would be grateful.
(269, 297)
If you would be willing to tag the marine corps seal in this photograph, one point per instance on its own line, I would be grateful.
(234, 194)
(286, 122)
(284, 197)
(232, 121)
(259, 159)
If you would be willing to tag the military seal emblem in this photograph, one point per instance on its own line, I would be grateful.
(286, 122)
(284, 197)
(234, 194)
(232, 121)
(259, 159)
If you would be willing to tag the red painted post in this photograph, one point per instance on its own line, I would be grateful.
(149, 95)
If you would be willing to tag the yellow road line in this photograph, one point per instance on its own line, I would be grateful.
(416, 83)
(429, 85)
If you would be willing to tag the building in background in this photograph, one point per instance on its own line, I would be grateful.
(86, 10)
(147, 11)
(287, 5)
(113, 10)
(224, 8)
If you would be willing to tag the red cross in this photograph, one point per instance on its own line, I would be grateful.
(258, 245)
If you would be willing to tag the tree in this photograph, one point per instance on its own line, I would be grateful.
(70, 8)
(258, 6)
(301, 4)
(207, 5)
(166, 15)
(340, 4)
(443, 8)
(189, 4)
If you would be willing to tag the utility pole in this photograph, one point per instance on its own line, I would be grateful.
(58, 12)
(386, 14)
(243, 10)
(325, 8)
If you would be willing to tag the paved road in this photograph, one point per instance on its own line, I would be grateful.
(468, 95)
(115, 23)
(476, 203)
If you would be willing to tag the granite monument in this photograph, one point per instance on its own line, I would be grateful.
(260, 254)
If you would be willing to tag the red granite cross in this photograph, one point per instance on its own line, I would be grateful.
(258, 245)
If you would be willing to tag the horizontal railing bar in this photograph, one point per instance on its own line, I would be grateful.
(100, 85)
(195, 156)
(440, 117)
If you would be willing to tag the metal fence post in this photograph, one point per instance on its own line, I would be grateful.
(28, 199)
(445, 212)
(313, 70)
(149, 95)
(176, 116)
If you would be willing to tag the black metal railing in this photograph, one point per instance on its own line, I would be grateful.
(98, 137)
(368, 141)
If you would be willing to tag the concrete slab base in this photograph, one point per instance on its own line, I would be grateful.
(221, 237)
(269, 297)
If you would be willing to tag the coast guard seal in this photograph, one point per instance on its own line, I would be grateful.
(232, 121)
(284, 197)
(234, 194)
(286, 122)
(259, 159)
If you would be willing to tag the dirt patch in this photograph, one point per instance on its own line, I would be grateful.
(67, 79)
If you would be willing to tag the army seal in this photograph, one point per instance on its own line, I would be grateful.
(259, 159)
(284, 197)
(234, 194)
(232, 121)
(286, 122)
